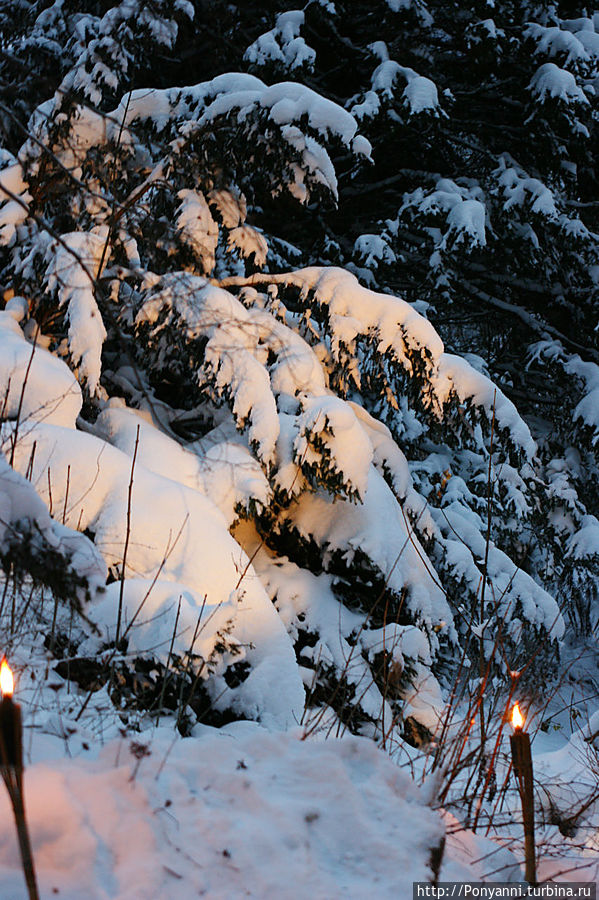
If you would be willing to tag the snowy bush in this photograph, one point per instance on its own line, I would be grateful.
(311, 495)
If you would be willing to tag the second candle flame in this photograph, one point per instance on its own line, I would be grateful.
(517, 718)
(7, 684)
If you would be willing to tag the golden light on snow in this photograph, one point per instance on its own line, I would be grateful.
(517, 718)
(7, 683)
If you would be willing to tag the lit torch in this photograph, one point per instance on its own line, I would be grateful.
(11, 760)
(11, 748)
(522, 764)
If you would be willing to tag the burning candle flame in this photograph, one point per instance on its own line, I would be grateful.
(7, 683)
(517, 718)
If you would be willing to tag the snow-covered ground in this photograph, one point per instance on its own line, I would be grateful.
(236, 812)
(239, 812)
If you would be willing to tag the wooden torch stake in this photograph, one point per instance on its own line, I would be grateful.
(522, 762)
(13, 782)
(11, 759)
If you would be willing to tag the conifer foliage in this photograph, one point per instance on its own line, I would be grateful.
(284, 352)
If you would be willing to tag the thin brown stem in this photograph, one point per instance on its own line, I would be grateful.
(127, 537)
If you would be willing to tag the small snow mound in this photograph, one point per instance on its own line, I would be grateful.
(551, 81)
(466, 222)
(556, 42)
(283, 44)
(373, 249)
(421, 95)
(331, 423)
(230, 813)
(585, 542)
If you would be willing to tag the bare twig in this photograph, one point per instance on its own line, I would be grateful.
(127, 536)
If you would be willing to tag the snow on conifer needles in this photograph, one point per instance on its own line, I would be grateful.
(306, 504)
(310, 448)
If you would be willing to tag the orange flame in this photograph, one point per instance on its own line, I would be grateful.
(7, 683)
(517, 718)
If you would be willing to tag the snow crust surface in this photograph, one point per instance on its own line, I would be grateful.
(232, 813)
